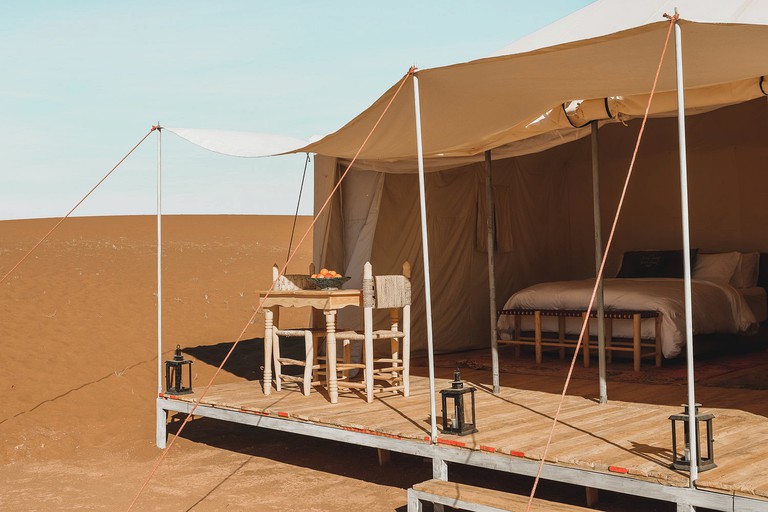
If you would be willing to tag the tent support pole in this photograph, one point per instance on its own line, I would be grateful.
(425, 253)
(490, 210)
(694, 457)
(598, 263)
(161, 414)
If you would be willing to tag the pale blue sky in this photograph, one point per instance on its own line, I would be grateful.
(83, 81)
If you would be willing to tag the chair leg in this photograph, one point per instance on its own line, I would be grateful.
(276, 362)
(395, 349)
(368, 351)
(308, 358)
(347, 358)
(315, 346)
(407, 350)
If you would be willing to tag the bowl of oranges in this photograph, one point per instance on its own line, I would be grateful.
(328, 279)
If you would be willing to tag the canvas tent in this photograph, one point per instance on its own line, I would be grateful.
(531, 103)
(512, 103)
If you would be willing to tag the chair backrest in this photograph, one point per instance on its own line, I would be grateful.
(289, 282)
(387, 291)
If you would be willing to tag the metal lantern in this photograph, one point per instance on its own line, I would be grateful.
(174, 374)
(456, 418)
(683, 460)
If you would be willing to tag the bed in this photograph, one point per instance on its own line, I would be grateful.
(726, 295)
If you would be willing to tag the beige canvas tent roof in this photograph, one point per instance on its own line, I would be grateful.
(606, 52)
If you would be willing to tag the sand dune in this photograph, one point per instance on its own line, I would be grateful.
(78, 345)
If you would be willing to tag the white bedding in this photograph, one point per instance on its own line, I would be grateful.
(717, 308)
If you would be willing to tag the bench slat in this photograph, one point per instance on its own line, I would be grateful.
(462, 494)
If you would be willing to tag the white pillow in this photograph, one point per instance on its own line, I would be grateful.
(718, 268)
(745, 275)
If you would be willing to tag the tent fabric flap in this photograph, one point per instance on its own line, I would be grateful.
(242, 144)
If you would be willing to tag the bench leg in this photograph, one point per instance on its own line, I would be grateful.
(561, 335)
(636, 340)
(518, 333)
(537, 320)
(414, 503)
(658, 341)
(585, 341)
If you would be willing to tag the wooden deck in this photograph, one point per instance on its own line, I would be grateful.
(622, 446)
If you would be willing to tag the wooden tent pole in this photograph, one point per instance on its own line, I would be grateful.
(692, 427)
(490, 209)
(425, 253)
(598, 264)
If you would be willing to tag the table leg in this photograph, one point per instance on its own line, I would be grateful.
(330, 354)
(268, 323)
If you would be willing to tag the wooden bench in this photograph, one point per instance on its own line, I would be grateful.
(467, 497)
(639, 347)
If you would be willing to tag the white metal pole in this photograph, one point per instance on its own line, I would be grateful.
(598, 264)
(491, 238)
(425, 252)
(686, 255)
(159, 265)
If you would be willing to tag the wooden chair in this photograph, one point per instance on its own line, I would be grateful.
(391, 292)
(311, 337)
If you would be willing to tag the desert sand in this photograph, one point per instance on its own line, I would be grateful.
(78, 380)
(78, 335)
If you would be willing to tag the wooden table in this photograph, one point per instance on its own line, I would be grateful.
(329, 301)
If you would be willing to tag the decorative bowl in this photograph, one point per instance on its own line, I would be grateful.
(329, 283)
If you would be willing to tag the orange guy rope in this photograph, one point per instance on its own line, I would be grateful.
(673, 19)
(266, 295)
(75, 207)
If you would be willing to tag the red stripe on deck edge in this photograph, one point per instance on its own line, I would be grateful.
(248, 411)
(370, 432)
(516, 454)
(451, 442)
(617, 469)
(487, 448)
(282, 414)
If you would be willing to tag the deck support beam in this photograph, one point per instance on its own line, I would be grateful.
(683, 496)
(161, 432)
(439, 469)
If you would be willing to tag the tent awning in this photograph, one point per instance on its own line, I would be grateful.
(472, 107)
